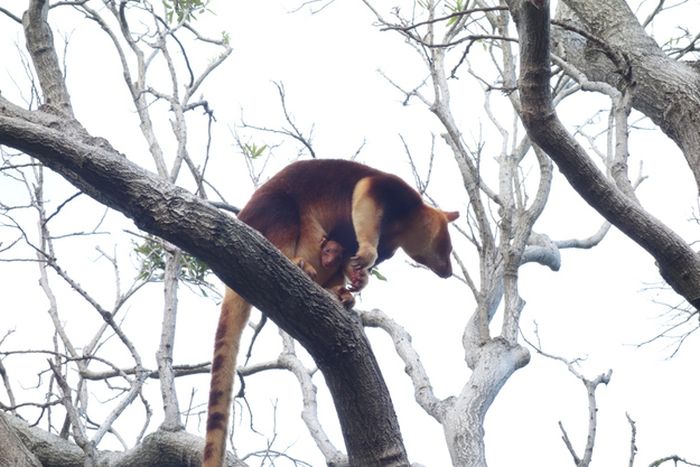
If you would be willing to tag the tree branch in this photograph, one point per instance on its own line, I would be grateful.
(422, 387)
(244, 260)
(666, 90)
(678, 264)
(43, 53)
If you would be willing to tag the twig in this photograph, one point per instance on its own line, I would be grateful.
(591, 385)
(633, 439)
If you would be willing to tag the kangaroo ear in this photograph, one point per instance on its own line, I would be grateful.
(451, 215)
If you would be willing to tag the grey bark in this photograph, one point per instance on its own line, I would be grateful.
(678, 264)
(164, 355)
(665, 90)
(13, 451)
(161, 448)
(464, 422)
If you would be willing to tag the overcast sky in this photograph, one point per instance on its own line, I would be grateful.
(596, 306)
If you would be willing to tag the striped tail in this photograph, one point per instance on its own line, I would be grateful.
(234, 315)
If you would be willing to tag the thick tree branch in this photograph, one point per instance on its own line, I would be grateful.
(157, 449)
(13, 450)
(665, 90)
(46, 64)
(241, 257)
(243, 260)
(678, 264)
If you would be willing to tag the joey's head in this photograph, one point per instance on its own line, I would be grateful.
(427, 239)
(331, 254)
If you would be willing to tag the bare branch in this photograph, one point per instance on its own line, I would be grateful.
(585, 243)
(675, 459)
(78, 430)
(423, 389)
(678, 264)
(567, 443)
(10, 15)
(591, 386)
(633, 439)
(659, 8)
(164, 355)
(294, 132)
(288, 360)
(41, 47)
(6, 380)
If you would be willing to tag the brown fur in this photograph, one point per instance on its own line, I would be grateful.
(305, 207)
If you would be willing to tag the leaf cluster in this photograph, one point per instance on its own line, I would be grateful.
(253, 151)
(151, 256)
(183, 10)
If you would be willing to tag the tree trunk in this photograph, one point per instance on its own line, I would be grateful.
(464, 422)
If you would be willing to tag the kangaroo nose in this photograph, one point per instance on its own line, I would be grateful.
(444, 271)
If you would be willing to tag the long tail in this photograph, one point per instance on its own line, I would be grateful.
(234, 315)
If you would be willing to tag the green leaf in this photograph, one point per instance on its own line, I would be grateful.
(254, 151)
(456, 7)
(378, 275)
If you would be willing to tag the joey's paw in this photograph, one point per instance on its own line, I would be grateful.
(344, 296)
(309, 270)
(346, 299)
(306, 267)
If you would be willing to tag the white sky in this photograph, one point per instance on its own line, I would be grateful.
(594, 307)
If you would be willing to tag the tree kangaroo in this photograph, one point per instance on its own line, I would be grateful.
(301, 210)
